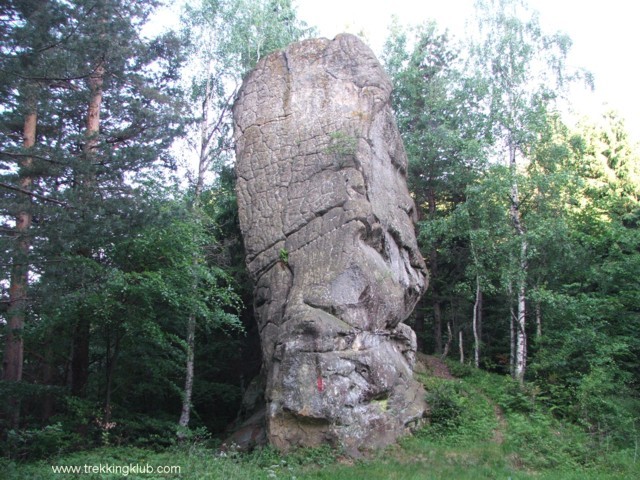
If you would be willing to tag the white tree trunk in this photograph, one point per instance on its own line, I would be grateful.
(538, 321)
(521, 334)
(203, 165)
(476, 324)
(512, 335)
(521, 275)
(447, 345)
(188, 381)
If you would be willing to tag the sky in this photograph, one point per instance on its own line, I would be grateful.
(605, 34)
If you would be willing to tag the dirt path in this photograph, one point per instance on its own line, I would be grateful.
(498, 433)
(432, 365)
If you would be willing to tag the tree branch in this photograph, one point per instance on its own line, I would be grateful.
(30, 155)
(33, 194)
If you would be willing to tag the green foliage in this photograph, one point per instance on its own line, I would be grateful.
(283, 255)
(116, 251)
(444, 133)
(577, 202)
(459, 370)
(236, 34)
(50, 440)
(541, 442)
(519, 399)
(481, 442)
(446, 405)
(459, 413)
(341, 144)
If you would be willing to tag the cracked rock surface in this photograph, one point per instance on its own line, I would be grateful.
(328, 225)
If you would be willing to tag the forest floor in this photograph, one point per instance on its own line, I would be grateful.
(436, 367)
(483, 426)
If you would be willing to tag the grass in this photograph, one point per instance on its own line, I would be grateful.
(483, 427)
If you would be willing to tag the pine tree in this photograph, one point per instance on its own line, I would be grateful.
(107, 114)
(31, 37)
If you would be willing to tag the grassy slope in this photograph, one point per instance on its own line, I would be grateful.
(483, 427)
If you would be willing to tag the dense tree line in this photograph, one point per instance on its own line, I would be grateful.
(529, 227)
(125, 313)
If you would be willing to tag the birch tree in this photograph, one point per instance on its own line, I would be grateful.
(227, 39)
(443, 132)
(526, 74)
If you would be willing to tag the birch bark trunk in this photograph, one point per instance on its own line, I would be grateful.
(521, 277)
(203, 165)
(477, 319)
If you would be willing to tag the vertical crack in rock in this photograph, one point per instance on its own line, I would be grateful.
(328, 225)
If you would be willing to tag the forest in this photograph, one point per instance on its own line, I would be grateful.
(126, 318)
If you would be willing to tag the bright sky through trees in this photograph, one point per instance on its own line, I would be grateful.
(605, 35)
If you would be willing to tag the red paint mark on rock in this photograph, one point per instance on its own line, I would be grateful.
(320, 384)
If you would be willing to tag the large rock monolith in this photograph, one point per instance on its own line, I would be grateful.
(328, 226)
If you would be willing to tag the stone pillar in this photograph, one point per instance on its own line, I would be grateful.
(328, 225)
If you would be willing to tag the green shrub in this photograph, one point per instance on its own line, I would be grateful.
(40, 443)
(446, 402)
(541, 442)
(460, 370)
(518, 398)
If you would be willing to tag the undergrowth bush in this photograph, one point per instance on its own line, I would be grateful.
(37, 443)
(539, 441)
(459, 370)
(446, 402)
(458, 413)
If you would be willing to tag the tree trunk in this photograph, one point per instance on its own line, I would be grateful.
(538, 321)
(447, 345)
(437, 328)
(80, 357)
(461, 346)
(188, 381)
(433, 273)
(47, 379)
(112, 360)
(203, 165)
(14, 346)
(516, 219)
(80, 354)
(96, 80)
(477, 321)
(521, 334)
(12, 361)
(512, 334)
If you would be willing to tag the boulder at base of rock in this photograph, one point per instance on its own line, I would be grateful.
(328, 225)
